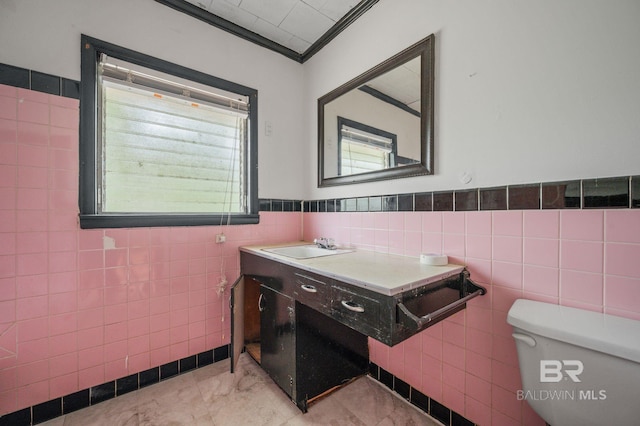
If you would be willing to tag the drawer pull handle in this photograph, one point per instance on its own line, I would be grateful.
(309, 288)
(352, 306)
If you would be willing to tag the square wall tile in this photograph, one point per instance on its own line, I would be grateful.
(466, 200)
(35, 154)
(586, 256)
(14, 76)
(635, 191)
(541, 280)
(478, 246)
(443, 201)
(493, 198)
(47, 410)
(478, 223)
(622, 226)
(606, 193)
(32, 134)
(524, 197)
(33, 112)
(8, 107)
(65, 139)
(585, 225)
(32, 95)
(477, 412)
(75, 401)
(453, 222)
(502, 401)
(424, 201)
(508, 249)
(31, 264)
(7, 90)
(561, 195)
(8, 146)
(542, 223)
(507, 223)
(67, 118)
(622, 259)
(8, 243)
(45, 83)
(452, 397)
(622, 293)
(581, 287)
(507, 290)
(70, 88)
(542, 252)
(477, 340)
(506, 376)
(33, 177)
(405, 203)
(103, 392)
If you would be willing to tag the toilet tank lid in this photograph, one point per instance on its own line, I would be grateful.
(604, 333)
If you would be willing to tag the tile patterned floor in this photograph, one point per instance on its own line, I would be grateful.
(212, 396)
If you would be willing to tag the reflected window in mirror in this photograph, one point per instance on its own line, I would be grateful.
(363, 148)
(385, 116)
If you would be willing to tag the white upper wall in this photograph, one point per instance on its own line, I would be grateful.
(525, 92)
(44, 35)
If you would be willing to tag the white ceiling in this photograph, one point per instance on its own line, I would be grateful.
(294, 24)
(402, 84)
(298, 29)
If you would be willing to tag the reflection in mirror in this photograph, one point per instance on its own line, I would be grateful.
(379, 125)
(363, 148)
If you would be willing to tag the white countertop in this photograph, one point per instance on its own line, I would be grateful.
(383, 273)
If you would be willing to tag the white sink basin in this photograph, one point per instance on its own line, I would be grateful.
(306, 252)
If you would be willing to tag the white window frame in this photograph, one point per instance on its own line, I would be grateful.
(367, 136)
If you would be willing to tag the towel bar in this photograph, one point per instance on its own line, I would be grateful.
(437, 303)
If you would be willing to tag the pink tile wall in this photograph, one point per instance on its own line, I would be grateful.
(468, 362)
(82, 307)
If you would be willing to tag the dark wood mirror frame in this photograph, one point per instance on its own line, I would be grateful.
(423, 49)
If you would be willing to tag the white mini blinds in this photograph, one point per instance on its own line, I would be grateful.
(364, 149)
(168, 145)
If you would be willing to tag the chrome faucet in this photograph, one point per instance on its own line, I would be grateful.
(325, 243)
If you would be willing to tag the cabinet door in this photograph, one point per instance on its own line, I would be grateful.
(277, 338)
(237, 321)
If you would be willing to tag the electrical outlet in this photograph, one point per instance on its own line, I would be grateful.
(220, 238)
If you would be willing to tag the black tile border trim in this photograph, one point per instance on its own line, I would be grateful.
(40, 82)
(96, 394)
(597, 193)
(421, 401)
(280, 205)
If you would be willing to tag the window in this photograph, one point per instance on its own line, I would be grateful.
(364, 148)
(163, 145)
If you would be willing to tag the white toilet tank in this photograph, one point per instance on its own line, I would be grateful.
(578, 367)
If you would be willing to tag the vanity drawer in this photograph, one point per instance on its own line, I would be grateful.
(272, 274)
(312, 291)
(355, 310)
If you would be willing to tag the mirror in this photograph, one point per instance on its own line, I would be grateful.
(380, 124)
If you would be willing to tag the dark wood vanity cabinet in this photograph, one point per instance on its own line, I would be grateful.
(313, 329)
(279, 316)
(277, 336)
